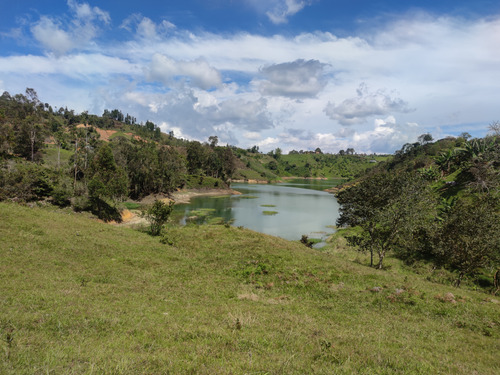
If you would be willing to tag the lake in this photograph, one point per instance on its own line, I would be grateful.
(288, 210)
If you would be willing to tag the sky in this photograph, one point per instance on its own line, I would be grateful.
(295, 74)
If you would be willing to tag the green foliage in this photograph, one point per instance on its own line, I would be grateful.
(389, 208)
(25, 182)
(203, 182)
(132, 205)
(157, 215)
(468, 238)
(107, 185)
(101, 203)
(450, 219)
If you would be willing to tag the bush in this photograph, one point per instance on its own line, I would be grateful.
(157, 215)
(25, 182)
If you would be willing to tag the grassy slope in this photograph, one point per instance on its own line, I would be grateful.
(78, 296)
(255, 166)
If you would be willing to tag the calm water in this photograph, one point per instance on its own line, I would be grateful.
(296, 207)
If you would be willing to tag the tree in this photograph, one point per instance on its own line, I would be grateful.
(469, 236)
(157, 215)
(196, 158)
(213, 140)
(465, 135)
(425, 138)
(277, 153)
(387, 208)
(494, 128)
(254, 149)
(29, 138)
(108, 184)
(6, 139)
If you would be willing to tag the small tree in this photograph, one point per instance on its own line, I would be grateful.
(425, 138)
(157, 215)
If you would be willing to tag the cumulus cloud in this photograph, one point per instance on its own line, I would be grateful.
(446, 68)
(298, 79)
(366, 104)
(197, 115)
(87, 13)
(60, 38)
(284, 9)
(145, 28)
(198, 72)
(52, 37)
(252, 115)
(252, 136)
(387, 135)
(278, 11)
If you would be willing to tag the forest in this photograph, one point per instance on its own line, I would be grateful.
(60, 156)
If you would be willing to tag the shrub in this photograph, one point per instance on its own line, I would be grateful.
(157, 215)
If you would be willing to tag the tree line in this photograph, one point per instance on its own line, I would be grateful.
(57, 156)
(436, 202)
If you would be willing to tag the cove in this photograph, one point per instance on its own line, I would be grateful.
(288, 210)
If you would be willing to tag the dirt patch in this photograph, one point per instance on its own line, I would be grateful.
(252, 181)
(184, 196)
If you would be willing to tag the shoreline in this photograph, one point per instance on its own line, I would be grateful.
(184, 196)
(130, 218)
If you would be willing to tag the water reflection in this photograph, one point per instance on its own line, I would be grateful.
(287, 210)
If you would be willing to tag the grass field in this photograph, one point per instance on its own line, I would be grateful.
(82, 297)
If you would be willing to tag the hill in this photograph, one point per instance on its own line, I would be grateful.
(94, 163)
(275, 165)
(80, 297)
(434, 202)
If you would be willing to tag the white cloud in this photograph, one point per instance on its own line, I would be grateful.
(146, 29)
(60, 38)
(79, 66)
(297, 79)
(444, 68)
(269, 143)
(87, 13)
(52, 37)
(199, 72)
(246, 114)
(387, 135)
(366, 104)
(252, 136)
(282, 10)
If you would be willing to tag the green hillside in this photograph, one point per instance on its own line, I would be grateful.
(273, 166)
(82, 297)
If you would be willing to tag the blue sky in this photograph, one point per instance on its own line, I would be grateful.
(294, 74)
